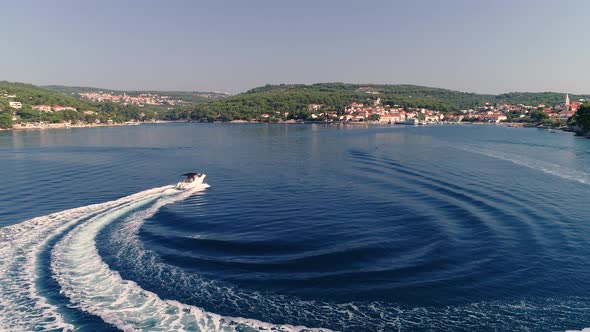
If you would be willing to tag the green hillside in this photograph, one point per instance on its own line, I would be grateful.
(536, 98)
(294, 98)
(30, 95)
(404, 93)
(273, 99)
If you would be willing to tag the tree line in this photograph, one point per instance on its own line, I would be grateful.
(284, 101)
(278, 100)
(582, 118)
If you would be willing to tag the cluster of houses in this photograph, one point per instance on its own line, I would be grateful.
(139, 100)
(487, 113)
(498, 113)
(387, 114)
(377, 112)
(17, 105)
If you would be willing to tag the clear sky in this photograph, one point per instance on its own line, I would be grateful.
(469, 45)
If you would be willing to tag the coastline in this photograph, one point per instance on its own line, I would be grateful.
(37, 126)
(43, 126)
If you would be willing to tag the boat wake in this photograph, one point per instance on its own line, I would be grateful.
(87, 281)
(65, 245)
(543, 166)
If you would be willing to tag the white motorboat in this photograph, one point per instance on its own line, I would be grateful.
(192, 180)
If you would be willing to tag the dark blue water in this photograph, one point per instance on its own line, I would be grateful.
(341, 227)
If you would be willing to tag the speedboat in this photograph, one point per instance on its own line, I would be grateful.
(191, 180)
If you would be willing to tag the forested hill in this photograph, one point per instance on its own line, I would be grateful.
(455, 99)
(281, 101)
(72, 109)
(403, 93)
(536, 98)
(30, 95)
(294, 98)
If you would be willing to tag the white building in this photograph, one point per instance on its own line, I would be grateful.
(15, 104)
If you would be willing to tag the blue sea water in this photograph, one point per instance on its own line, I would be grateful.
(348, 228)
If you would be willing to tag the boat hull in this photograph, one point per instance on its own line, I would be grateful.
(183, 185)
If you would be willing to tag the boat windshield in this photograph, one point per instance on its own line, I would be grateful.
(190, 177)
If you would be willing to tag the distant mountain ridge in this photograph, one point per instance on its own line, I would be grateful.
(187, 96)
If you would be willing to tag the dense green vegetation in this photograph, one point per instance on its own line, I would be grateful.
(5, 120)
(403, 94)
(582, 118)
(536, 98)
(30, 96)
(538, 116)
(276, 100)
(33, 95)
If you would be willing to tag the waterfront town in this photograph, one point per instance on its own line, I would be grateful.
(486, 113)
(355, 112)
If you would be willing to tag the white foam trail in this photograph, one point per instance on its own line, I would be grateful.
(89, 283)
(543, 166)
(93, 287)
(22, 307)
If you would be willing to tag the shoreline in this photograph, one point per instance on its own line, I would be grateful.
(61, 126)
(43, 126)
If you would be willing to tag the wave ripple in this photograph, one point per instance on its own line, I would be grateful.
(88, 282)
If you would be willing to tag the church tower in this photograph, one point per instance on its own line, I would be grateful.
(567, 102)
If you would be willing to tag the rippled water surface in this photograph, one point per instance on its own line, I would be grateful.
(345, 228)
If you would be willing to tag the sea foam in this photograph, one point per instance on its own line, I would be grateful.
(22, 307)
(93, 287)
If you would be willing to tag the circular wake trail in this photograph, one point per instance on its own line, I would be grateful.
(92, 287)
(22, 306)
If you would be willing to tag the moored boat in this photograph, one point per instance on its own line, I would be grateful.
(410, 122)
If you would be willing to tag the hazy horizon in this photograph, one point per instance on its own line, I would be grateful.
(357, 83)
(232, 46)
